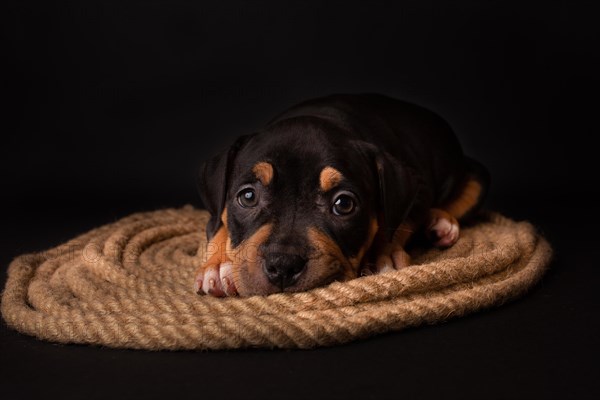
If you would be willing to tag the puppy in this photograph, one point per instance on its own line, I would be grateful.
(330, 189)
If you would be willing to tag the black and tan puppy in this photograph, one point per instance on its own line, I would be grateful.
(329, 188)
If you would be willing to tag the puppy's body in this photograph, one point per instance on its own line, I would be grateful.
(328, 187)
(411, 134)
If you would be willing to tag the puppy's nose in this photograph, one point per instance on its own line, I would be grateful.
(282, 269)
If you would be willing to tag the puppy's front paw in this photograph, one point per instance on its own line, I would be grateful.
(215, 280)
(396, 260)
(443, 228)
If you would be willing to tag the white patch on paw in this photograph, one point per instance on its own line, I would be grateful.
(216, 280)
(226, 275)
(445, 232)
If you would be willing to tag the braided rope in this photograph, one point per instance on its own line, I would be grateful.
(128, 284)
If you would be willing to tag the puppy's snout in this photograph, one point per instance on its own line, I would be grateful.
(283, 269)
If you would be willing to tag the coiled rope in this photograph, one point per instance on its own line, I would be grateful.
(129, 285)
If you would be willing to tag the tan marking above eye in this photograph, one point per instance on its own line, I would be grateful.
(264, 172)
(329, 178)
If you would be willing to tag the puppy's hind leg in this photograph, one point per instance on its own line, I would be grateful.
(443, 227)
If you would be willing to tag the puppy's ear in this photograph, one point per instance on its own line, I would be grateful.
(213, 183)
(399, 187)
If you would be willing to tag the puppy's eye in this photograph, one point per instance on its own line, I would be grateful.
(343, 205)
(247, 198)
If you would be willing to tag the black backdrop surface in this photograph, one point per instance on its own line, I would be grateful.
(111, 106)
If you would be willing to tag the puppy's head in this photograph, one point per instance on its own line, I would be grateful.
(302, 205)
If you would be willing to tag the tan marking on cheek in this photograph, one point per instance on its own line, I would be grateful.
(246, 255)
(327, 250)
(323, 243)
(373, 228)
(216, 247)
(263, 172)
(329, 178)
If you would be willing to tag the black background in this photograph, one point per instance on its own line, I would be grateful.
(111, 106)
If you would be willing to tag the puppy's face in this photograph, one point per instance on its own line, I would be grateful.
(297, 219)
(301, 210)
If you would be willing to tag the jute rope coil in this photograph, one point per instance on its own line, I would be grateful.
(129, 284)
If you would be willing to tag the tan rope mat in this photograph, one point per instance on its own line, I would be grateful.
(129, 284)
